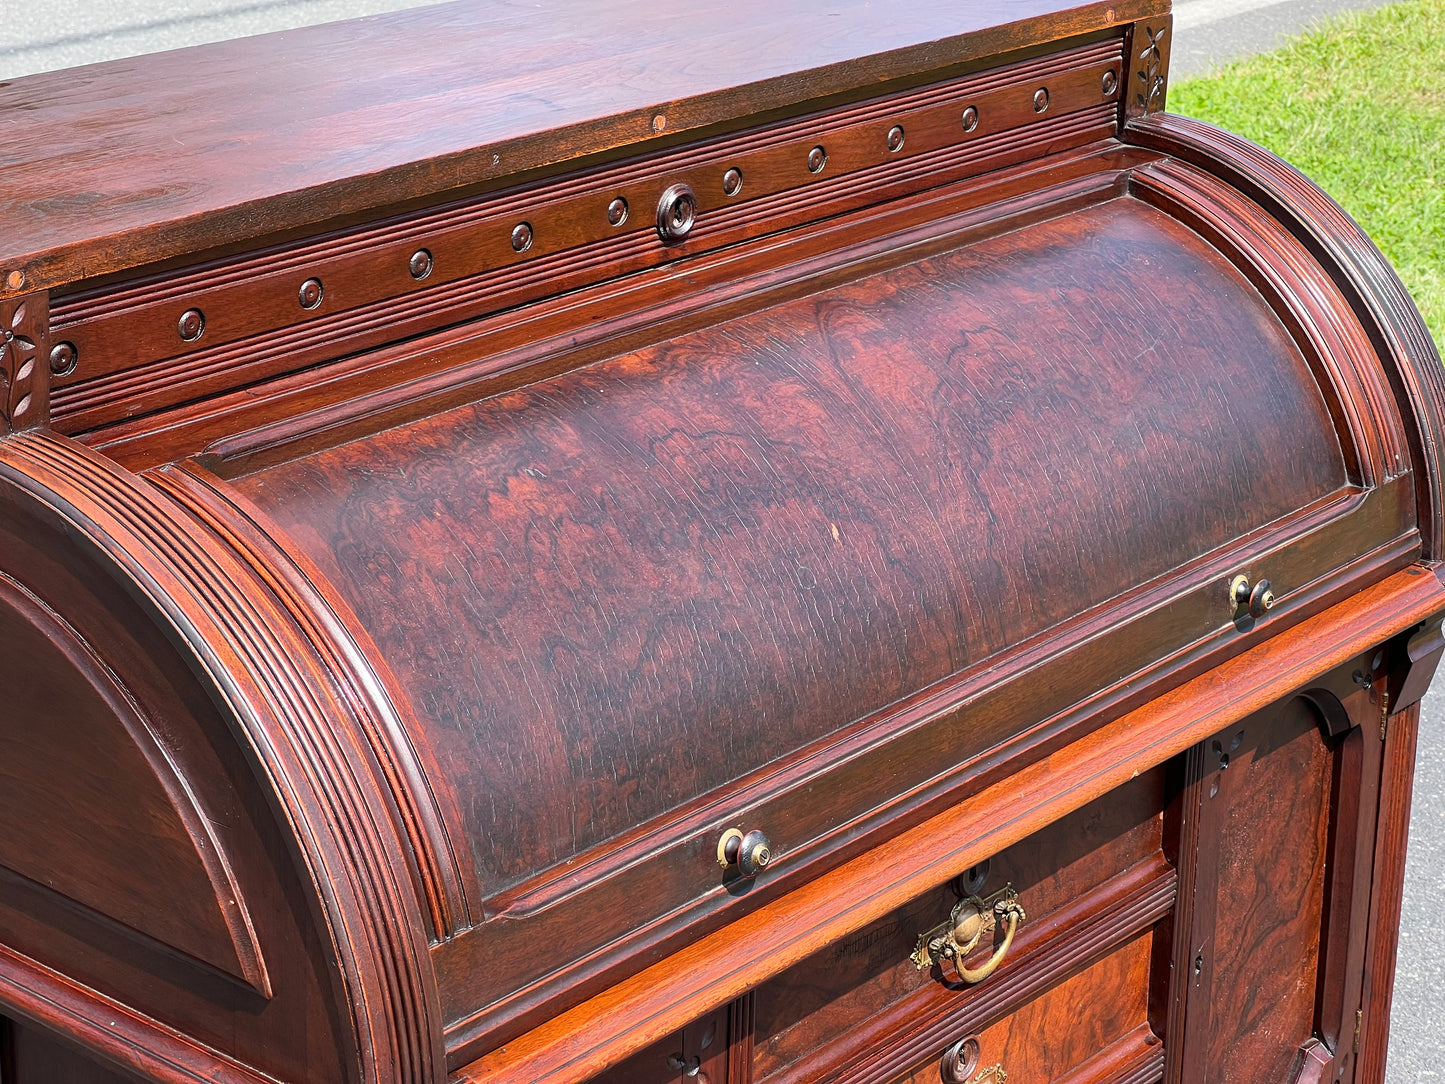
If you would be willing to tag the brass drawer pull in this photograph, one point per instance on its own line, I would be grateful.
(970, 921)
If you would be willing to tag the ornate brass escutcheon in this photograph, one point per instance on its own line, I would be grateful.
(960, 1061)
(971, 920)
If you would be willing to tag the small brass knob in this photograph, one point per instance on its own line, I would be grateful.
(1261, 599)
(750, 853)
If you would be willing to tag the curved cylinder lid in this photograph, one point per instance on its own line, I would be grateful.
(611, 592)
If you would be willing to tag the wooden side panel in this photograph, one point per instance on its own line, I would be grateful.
(93, 807)
(614, 591)
(150, 902)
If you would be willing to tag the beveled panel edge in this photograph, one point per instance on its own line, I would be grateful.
(264, 677)
(709, 972)
(248, 963)
(1086, 931)
(122, 1037)
(1360, 272)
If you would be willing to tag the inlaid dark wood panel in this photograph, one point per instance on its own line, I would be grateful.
(614, 591)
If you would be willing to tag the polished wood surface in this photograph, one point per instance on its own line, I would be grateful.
(321, 124)
(775, 442)
(459, 469)
(708, 973)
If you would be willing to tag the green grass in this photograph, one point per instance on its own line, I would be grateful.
(1359, 107)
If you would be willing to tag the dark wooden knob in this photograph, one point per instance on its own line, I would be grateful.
(959, 1061)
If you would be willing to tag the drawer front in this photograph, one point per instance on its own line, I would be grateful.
(1087, 884)
(1091, 1028)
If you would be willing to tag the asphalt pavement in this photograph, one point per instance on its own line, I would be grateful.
(62, 33)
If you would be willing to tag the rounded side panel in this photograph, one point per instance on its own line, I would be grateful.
(1356, 268)
(197, 849)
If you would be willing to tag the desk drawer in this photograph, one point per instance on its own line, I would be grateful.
(1108, 1037)
(1089, 884)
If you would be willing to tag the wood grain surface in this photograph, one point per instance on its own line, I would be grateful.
(292, 130)
(1104, 1006)
(709, 972)
(824, 1007)
(615, 591)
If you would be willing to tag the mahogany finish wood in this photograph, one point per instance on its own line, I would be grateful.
(460, 468)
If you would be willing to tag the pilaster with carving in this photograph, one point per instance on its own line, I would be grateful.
(24, 363)
(1148, 66)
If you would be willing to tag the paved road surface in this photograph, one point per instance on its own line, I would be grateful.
(61, 33)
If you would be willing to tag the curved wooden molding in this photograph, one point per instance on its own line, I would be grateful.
(152, 861)
(1317, 315)
(267, 676)
(1360, 272)
(379, 708)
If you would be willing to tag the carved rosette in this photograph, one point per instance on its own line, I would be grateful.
(24, 370)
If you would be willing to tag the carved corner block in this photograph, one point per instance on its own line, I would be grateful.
(24, 363)
(1148, 80)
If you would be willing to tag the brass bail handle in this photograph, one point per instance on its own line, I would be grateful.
(1007, 911)
(969, 922)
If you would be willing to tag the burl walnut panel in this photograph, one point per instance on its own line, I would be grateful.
(618, 589)
(1260, 894)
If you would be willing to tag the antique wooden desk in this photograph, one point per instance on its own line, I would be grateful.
(757, 542)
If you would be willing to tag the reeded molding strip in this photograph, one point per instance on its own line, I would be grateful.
(1362, 274)
(373, 285)
(265, 672)
(709, 972)
(376, 711)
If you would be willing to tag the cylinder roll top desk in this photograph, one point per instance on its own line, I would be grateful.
(754, 542)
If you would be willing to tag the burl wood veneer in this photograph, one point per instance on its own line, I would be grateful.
(569, 543)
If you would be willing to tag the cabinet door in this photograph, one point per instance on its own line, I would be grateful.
(1276, 837)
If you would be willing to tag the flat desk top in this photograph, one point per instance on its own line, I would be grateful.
(133, 161)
